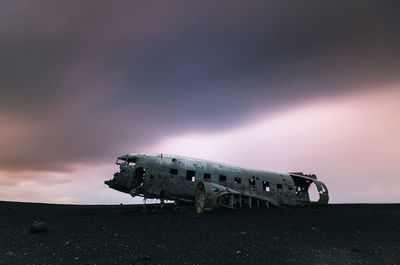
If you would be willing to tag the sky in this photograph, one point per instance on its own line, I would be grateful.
(280, 85)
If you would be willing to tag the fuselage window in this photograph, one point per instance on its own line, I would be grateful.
(266, 186)
(222, 178)
(131, 161)
(237, 180)
(207, 176)
(173, 171)
(190, 175)
(252, 181)
(279, 186)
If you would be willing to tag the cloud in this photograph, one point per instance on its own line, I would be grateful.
(84, 185)
(352, 143)
(82, 82)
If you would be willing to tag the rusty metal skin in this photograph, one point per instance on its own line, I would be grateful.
(209, 185)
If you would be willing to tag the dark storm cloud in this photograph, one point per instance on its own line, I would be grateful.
(84, 81)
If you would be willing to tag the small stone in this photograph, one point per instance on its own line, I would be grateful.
(355, 249)
(142, 257)
(38, 227)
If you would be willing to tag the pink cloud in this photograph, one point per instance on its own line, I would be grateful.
(352, 143)
(85, 185)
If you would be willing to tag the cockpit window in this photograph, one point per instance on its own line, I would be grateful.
(120, 162)
(130, 161)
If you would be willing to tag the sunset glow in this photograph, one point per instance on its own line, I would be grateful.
(274, 86)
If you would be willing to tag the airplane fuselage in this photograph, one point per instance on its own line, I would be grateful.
(170, 177)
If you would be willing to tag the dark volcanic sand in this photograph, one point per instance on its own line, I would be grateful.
(124, 234)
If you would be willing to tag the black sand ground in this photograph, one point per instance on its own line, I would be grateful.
(124, 234)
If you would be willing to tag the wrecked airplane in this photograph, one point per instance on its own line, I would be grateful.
(209, 185)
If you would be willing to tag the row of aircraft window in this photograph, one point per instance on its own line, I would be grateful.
(190, 176)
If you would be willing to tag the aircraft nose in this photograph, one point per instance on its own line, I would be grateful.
(109, 182)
